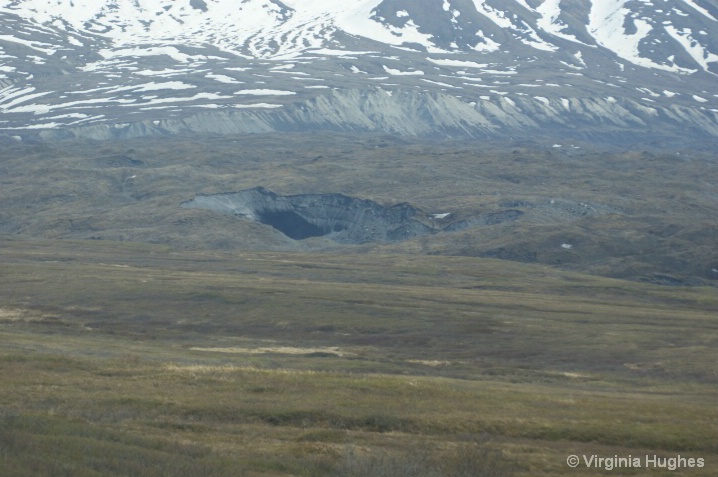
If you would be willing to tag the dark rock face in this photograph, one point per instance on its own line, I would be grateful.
(339, 217)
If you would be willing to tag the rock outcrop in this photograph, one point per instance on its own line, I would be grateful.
(416, 113)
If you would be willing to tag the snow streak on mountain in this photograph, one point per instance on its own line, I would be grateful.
(452, 67)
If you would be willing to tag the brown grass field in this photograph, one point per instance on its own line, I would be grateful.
(127, 359)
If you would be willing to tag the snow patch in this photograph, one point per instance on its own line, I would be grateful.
(160, 86)
(438, 83)
(607, 20)
(170, 51)
(523, 31)
(550, 11)
(222, 78)
(165, 72)
(699, 54)
(700, 9)
(359, 20)
(198, 96)
(20, 98)
(394, 72)
(458, 63)
(35, 45)
(486, 44)
(332, 52)
(264, 92)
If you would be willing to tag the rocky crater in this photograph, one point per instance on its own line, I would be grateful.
(338, 217)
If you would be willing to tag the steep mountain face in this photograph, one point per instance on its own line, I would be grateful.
(598, 69)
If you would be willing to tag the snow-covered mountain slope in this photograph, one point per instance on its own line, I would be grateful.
(457, 67)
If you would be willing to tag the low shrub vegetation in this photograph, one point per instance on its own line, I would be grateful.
(111, 366)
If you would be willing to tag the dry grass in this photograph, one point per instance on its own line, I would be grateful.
(328, 350)
(294, 364)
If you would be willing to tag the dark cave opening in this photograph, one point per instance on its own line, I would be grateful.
(291, 224)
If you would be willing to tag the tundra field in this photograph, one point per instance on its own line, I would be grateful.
(141, 338)
(128, 359)
(369, 238)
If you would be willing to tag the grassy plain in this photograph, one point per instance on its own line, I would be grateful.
(125, 359)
